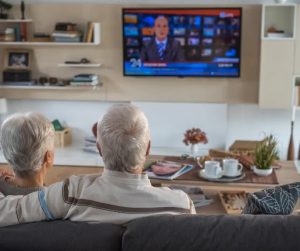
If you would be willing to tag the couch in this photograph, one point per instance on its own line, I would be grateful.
(162, 232)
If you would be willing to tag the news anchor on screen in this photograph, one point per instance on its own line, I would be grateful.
(161, 48)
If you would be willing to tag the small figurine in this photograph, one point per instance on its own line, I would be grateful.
(22, 10)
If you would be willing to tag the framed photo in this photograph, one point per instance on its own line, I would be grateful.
(18, 59)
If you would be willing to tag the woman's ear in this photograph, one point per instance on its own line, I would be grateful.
(148, 148)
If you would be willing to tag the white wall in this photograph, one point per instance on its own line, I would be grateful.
(168, 121)
(252, 123)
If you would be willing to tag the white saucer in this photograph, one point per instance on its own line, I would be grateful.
(205, 176)
(234, 176)
(225, 179)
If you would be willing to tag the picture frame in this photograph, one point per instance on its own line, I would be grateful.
(18, 59)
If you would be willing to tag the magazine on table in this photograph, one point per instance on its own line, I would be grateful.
(195, 193)
(167, 170)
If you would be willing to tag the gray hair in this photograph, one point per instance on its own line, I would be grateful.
(123, 135)
(25, 139)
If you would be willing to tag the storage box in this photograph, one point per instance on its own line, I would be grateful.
(244, 147)
(233, 201)
(63, 138)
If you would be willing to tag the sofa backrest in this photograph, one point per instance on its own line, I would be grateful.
(160, 233)
(61, 235)
(212, 233)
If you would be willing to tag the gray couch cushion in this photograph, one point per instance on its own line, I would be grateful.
(205, 233)
(61, 235)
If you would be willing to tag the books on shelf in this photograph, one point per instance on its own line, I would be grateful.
(195, 193)
(66, 39)
(18, 83)
(65, 26)
(85, 80)
(167, 170)
(66, 33)
(78, 83)
(89, 32)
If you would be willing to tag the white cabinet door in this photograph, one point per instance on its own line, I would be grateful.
(276, 73)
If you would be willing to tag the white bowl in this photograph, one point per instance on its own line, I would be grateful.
(262, 172)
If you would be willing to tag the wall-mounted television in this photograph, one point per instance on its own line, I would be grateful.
(194, 42)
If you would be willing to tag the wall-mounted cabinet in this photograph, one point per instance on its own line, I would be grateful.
(277, 56)
(278, 21)
(296, 86)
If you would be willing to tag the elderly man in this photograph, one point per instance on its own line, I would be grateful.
(27, 142)
(121, 194)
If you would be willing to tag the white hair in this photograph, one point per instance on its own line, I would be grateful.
(123, 135)
(25, 139)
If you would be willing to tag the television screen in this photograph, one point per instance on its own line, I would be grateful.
(202, 42)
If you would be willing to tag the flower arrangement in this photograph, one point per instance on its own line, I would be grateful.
(194, 136)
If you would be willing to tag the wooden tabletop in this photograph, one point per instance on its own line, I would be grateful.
(286, 174)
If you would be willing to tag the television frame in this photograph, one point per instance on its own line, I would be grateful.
(183, 76)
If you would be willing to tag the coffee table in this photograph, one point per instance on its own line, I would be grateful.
(286, 174)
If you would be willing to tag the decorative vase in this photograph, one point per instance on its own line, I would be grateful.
(194, 150)
(291, 149)
(262, 172)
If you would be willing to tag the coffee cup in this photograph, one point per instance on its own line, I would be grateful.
(212, 169)
(232, 167)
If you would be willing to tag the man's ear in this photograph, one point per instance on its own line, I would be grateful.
(99, 149)
(148, 148)
(49, 158)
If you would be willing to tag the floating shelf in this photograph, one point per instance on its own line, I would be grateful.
(88, 88)
(48, 44)
(80, 65)
(15, 20)
(96, 37)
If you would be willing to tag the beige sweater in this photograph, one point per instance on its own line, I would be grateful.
(114, 197)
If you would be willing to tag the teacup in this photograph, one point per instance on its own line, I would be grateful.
(212, 169)
(232, 167)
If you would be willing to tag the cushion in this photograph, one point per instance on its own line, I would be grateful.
(61, 235)
(213, 233)
(277, 200)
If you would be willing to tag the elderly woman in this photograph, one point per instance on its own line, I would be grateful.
(27, 142)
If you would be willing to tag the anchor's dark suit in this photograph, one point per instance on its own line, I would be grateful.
(172, 53)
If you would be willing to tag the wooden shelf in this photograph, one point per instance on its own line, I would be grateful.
(15, 20)
(80, 65)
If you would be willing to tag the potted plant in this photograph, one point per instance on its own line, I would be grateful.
(265, 154)
(4, 7)
(194, 137)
